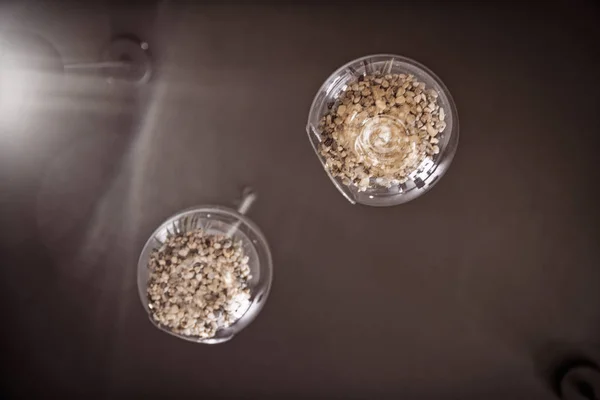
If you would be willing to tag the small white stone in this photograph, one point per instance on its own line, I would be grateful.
(183, 252)
(431, 130)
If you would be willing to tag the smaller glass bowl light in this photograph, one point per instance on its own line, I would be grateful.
(215, 220)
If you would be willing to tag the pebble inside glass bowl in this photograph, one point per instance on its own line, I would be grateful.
(212, 220)
(378, 129)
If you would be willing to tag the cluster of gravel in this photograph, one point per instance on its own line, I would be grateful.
(198, 283)
(380, 130)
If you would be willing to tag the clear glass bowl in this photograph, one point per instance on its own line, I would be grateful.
(216, 220)
(428, 173)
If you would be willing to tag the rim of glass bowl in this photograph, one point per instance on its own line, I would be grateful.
(265, 266)
(447, 148)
